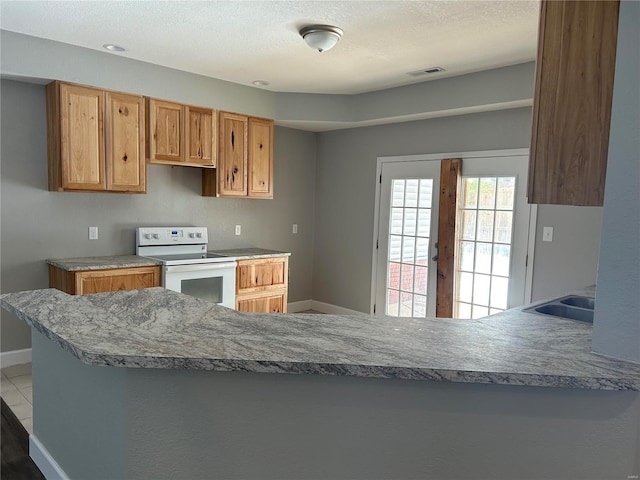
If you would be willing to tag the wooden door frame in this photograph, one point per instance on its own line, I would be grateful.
(443, 156)
(450, 183)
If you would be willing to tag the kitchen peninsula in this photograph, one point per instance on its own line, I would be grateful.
(206, 392)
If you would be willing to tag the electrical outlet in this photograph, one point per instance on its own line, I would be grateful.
(93, 233)
(295, 228)
(238, 229)
(547, 234)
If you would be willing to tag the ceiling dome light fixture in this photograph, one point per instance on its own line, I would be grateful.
(113, 48)
(321, 37)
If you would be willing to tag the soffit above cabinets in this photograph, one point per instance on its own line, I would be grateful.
(244, 41)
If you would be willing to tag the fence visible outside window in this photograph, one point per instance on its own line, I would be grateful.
(484, 246)
(408, 258)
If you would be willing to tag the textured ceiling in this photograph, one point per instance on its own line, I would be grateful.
(242, 41)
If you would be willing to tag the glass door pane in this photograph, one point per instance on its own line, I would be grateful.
(492, 236)
(406, 273)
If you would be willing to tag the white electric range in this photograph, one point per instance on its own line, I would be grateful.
(187, 266)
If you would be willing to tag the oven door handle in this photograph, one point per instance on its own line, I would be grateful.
(198, 267)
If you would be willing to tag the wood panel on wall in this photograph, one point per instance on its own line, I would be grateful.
(572, 102)
(450, 179)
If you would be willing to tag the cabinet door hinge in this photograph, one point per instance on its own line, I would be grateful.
(377, 244)
(380, 179)
(374, 308)
(526, 260)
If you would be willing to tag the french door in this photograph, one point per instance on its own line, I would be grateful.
(406, 253)
(492, 236)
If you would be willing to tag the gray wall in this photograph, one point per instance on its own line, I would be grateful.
(345, 183)
(570, 261)
(32, 57)
(38, 224)
(99, 422)
(617, 317)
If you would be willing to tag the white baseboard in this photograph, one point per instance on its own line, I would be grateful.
(333, 309)
(301, 306)
(45, 462)
(321, 307)
(15, 357)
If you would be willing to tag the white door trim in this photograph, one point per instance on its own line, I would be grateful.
(531, 244)
(442, 156)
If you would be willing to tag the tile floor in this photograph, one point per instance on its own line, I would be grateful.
(16, 390)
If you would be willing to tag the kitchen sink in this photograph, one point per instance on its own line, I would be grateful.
(573, 307)
(579, 301)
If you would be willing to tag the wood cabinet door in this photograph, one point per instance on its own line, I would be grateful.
(232, 161)
(82, 138)
(261, 274)
(260, 158)
(125, 163)
(572, 102)
(98, 281)
(272, 303)
(200, 136)
(166, 124)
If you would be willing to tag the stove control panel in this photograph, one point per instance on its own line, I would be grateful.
(148, 236)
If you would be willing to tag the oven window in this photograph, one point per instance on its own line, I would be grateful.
(209, 288)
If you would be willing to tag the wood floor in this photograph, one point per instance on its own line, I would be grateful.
(16, 463)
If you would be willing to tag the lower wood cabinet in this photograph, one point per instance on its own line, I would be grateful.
(99, 281)
(269, 303)
(262, 285)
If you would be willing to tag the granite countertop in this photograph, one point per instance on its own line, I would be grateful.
(158, 328)
(250, 253)
(127, 261)
(102, 263)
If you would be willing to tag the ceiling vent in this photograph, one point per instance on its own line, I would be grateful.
(426, 71)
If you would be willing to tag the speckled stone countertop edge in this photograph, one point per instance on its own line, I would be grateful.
(102, 263)
(132, 261)
(365, 371)
(624, 379)
(250, 253)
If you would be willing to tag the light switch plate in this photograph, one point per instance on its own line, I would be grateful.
(238, 229)
(93, 233)
(547, 234)
(295, 228)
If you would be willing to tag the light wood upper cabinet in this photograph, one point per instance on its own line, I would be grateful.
(181, 135)
(572, 102)
(232, 164)
(260, 160)
(126, 170)
(95, 139)
(200, 136)
(245, 159)
(82, 138)
(166, 124)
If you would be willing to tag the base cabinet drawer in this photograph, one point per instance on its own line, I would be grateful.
(271, 303)
(100, 281)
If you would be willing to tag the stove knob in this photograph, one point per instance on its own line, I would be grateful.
(192, 235)
(199, 235)
(147, 235)
(156, 236)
